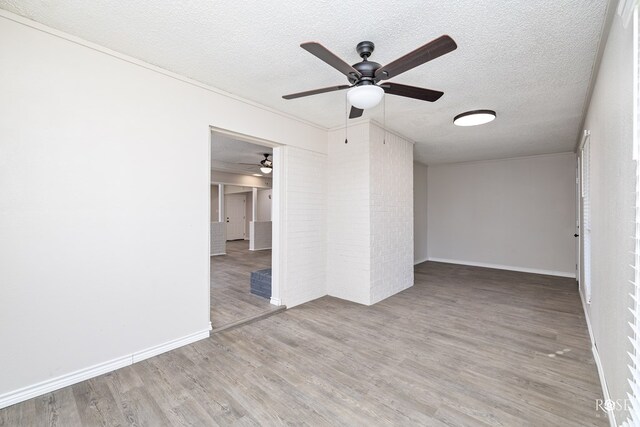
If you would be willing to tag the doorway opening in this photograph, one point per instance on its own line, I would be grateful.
(242, 201)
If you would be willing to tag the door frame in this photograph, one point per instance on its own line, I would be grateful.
(584, 276)
(278, 208)
(239, 196)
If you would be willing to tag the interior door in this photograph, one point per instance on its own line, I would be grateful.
(585, 233)
(578, 215)
(235, 216)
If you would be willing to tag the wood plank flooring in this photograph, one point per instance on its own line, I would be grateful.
(231, 299)
(465, 346)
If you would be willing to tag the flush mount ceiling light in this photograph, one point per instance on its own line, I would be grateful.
(474, 118)
(365, 96)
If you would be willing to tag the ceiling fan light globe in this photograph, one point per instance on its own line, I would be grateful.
(265, 169)
(365, 96)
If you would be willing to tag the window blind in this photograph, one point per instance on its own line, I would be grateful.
(585, 158)
(633, 396)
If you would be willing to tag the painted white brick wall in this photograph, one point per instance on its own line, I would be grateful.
(391, 213)
(304, 226)
(370, 214)
(218, 240)
(348, 230)
(260, 235)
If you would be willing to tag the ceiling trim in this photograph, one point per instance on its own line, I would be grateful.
(602, 43)
(245, 138)
(561, 153)
(79, 41)
(355, 122)
(392, 132)
(352, 122)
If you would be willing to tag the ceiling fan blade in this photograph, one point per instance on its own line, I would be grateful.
(412, 92)
(429, 51)
(330, 58)
(315, 91)
(355, 112)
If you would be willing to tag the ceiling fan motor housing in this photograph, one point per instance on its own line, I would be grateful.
(365, 67)
(365, 49)
(266, 162)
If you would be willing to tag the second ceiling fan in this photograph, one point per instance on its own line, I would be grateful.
(265, 165)
(365, 76)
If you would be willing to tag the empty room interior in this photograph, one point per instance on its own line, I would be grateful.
(327, 213)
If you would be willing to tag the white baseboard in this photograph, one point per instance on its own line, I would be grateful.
(596, 357)
(168, 346)
(276, 301)
(504, 267)
(260, 249)
(420, 261)
(221, 253)
(29, 392)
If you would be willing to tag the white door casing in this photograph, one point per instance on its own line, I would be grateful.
(279, 206)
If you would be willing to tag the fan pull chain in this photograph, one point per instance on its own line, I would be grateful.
(384, 120)
(346, 113)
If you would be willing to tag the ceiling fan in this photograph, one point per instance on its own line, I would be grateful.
(365, 91)
(266, 164)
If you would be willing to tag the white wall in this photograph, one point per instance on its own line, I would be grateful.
(516, 213)
(236, 189)
(264, 205)
(261, 235)
(610, 119)
(104, 215)
(301, 270)
(370, 214)
(419, 213)
(391, 213)
(348, 217)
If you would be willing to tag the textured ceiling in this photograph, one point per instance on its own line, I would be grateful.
(530, 61)
(227, 155)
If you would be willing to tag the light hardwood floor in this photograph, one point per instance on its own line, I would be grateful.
(465, 346)
(231, 299)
